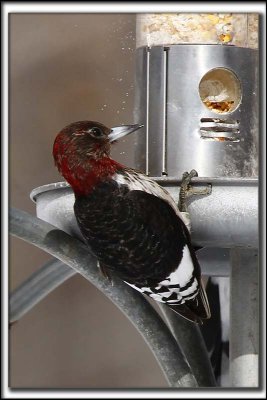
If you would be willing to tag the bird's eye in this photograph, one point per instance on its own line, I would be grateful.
(96, 132)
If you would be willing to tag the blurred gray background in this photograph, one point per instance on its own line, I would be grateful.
(66, 68)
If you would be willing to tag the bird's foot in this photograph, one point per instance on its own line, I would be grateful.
(104, 271)
(187, 190)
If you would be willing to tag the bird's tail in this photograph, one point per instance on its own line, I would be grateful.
(195, 310)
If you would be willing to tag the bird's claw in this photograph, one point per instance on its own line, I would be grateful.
(186, 190)
(187, 176)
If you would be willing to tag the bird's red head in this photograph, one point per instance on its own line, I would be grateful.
(82, 153)
(79, 142)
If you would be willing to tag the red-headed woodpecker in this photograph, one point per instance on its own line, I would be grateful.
(131, 224)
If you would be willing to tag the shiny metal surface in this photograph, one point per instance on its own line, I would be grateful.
(214, 261)
(141, 106)
(244, 319)
(54, 204)
(228, 217)
(168, 96)
(157, 109)
(189, 337)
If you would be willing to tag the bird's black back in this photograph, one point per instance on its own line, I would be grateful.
(133, 233)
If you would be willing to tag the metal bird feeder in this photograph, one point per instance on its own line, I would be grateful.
(198, 101)
(197, 93)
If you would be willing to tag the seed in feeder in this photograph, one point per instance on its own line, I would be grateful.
(159, 29)
(225, 38)
(222, 106)
(213, 18)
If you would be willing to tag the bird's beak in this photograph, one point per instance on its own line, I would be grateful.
(121, 131)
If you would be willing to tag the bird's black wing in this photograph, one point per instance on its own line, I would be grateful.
(140, 237)
(192, 308)
(131, 232)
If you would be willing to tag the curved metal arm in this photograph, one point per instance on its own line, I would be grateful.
(54, 273)
(191, 341)
(47, 278)
(75, 254)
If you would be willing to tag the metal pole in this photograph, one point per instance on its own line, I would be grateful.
(191, 341)
(244, 311)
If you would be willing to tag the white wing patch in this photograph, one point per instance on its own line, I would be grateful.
(180, 286)
(136, 181)
(184, 272)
